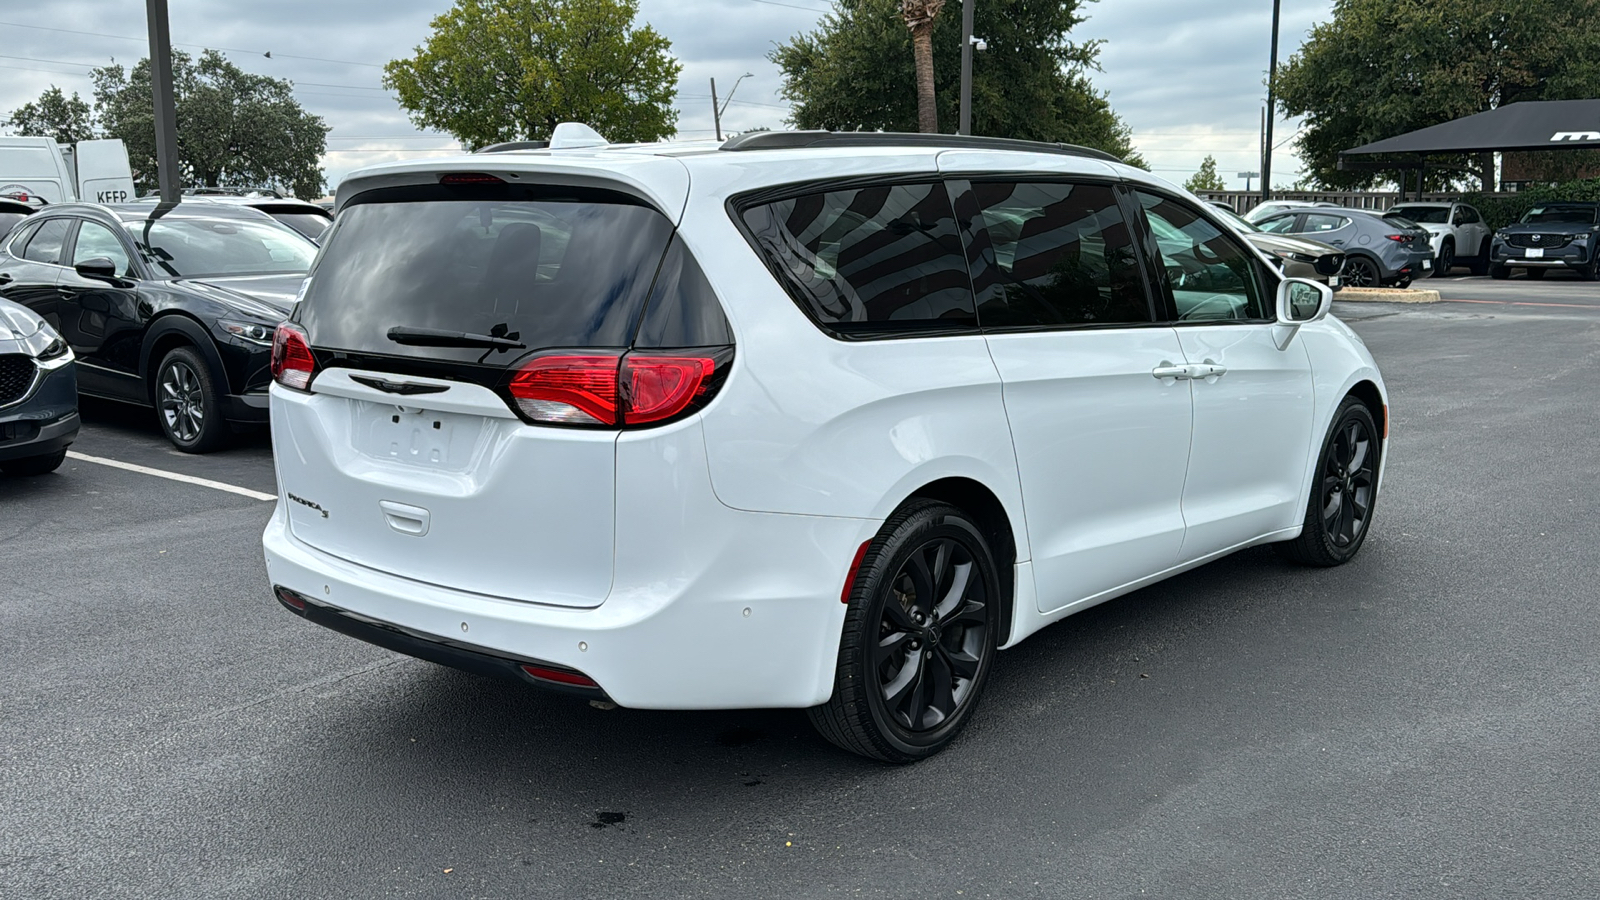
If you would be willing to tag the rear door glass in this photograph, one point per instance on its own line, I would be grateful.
(876, 261)
(1064, 254)
(45, 244)
(570, 271)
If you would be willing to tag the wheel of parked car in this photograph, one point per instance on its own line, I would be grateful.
(187, 402)
(1499, 273)
(1446, 260)
(1535, 274)
(1591, 272)
(1339, 511)
(1360, 272)
(919, 637)
(34, 465)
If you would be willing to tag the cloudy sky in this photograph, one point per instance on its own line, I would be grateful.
(1185, 74)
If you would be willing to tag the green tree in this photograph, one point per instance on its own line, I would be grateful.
(1381, 68)
(921, 16)
(234, 128)
(54, 115)
(1207, 178)
(856, 73)
(503, 70)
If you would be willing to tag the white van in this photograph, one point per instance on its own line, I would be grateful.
(37, 168)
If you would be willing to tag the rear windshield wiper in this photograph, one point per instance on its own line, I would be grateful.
(434, 337)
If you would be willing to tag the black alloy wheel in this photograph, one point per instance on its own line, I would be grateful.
(1359, 272)
(919, 637)
(1446, 260)
(1343, 491)
(188, 405)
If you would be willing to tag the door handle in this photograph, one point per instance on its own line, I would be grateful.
(1168, 370)
(5, 278)
(1207, 369)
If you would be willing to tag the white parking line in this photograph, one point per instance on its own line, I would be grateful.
(173, 476)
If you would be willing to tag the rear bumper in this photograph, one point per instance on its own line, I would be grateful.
(756, 624)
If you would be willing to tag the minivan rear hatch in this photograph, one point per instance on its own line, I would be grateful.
(406, 452)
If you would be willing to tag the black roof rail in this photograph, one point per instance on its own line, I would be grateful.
(505, 146)
(792, 140)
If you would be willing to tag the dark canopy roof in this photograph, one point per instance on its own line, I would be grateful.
(1533, 125)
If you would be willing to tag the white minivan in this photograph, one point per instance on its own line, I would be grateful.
(801, 420)
(38, 168)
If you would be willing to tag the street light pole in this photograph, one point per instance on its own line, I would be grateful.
(965, 125)
(716, 112)
(1272, 112)
(161, 88)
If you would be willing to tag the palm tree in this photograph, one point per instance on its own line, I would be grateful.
(919, 16)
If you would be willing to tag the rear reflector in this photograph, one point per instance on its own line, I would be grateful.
(560, 676)
(292, 362)
(289, 598)
(855, 566)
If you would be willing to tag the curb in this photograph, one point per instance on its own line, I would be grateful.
(1387, 295)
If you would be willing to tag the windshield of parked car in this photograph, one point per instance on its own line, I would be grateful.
(1582, 215)
(196, 247)
(1431, 215)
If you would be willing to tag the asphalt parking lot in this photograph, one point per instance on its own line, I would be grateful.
(1419, 723)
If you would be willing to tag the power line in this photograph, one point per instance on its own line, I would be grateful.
(810, 9)
(124, 37)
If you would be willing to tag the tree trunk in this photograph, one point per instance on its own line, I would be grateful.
(1486, 161)
(920, 16)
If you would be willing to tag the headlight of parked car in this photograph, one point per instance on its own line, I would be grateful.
(254, 332)
(38, 339)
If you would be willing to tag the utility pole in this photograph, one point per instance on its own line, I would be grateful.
(716, 112)
(161, 88)
(965, 125)
(1272, 111)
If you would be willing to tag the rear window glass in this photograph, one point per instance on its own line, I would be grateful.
(1431, 215)
(869, 262)
(559, 272)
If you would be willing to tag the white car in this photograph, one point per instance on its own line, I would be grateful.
(802, 420)
(1457, 232)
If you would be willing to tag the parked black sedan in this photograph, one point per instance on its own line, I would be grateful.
(169, 306)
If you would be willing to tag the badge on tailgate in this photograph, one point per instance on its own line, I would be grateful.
(404, 388)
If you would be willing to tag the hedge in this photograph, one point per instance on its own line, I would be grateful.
(1502, 211)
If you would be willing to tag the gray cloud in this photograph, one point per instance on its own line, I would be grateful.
(1185, 74)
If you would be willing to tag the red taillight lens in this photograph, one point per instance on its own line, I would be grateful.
(1399, 238)
(568, 390)
(292, 362)
(610, 390)
(560, 676)
(660, 387)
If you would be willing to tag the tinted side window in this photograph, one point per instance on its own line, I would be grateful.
(1064, 255)
(1279, 225)
(683, 310)
(96, 240)
(1210, 276)
(45, 244)
(869, 261)
(20, 240)
(1317, 222)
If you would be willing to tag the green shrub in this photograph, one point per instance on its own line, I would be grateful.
(1502, 211)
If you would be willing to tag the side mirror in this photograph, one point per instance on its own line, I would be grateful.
(100, 268)
(1301, 300)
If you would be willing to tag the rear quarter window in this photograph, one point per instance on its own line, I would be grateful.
(875, 261)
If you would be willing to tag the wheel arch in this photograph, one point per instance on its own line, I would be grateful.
(977, 500)
(168, 332)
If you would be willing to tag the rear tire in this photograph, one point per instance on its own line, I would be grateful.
(1359, 272)
(188, 404)
(34, 465)
(919, 637)
(1343, 491)
(1446, 260)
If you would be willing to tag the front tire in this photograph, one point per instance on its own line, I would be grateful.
(34, 465)
(1499, 273)
(1343, 490)
(1446, 260)
(188, 404)
(919, 637)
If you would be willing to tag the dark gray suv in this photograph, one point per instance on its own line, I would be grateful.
(38, 393)
(1551, 236)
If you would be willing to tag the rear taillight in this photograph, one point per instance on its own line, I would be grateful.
(292, 362)
(633, 389)
(568, 390)
(1399, 238)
